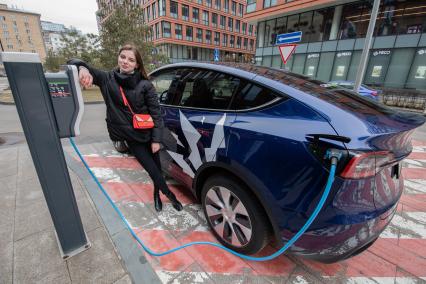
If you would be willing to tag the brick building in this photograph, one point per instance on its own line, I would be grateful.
(192, 30)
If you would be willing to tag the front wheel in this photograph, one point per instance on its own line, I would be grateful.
(235, 217)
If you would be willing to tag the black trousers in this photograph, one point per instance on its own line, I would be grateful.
(150, 162)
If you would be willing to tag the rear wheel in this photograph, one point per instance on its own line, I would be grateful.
(121, 147)
(235, 217)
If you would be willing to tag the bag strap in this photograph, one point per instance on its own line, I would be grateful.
(126, 103)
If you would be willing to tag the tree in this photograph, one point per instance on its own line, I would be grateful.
(124, 24)
(53, 61)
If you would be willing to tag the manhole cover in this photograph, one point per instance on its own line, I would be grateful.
(11, 138)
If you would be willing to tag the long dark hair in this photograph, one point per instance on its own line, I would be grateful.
(138, 57)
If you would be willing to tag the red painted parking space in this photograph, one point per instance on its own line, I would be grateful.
(397, 256)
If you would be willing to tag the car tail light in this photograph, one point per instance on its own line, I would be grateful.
(363, 165)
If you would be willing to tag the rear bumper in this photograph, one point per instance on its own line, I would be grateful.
(339, 242)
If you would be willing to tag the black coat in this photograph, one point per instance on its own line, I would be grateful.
(140, 94)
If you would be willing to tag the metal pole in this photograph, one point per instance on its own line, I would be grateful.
(367, 45)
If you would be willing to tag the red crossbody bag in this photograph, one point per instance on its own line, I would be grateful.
(140, 121)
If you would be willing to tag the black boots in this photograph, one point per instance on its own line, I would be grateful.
(157, 200)
(158, 205)
(175, 203)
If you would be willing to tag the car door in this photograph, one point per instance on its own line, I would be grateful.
(195, 111)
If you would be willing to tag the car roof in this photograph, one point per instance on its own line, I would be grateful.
(245, 70)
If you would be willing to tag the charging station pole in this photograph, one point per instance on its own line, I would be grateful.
(35, 108)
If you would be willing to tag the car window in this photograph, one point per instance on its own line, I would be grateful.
(208, 89)
(163, 81)
(251, 96)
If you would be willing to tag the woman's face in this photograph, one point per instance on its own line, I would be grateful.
(127, 61)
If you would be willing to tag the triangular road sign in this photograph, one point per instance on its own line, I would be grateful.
(286, 51)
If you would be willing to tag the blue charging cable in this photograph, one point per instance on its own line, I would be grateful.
(331, 154)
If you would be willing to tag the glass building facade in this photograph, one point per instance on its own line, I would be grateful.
(333, 38)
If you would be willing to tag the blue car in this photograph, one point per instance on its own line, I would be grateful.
(250, 143)
(364, 90)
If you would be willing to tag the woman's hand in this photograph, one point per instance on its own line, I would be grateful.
(86, 79)
(155, 147)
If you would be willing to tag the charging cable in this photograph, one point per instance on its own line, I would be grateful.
(332, 154)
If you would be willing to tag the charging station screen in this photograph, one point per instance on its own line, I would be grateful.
(59, 89)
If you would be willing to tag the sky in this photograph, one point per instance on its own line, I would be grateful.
(78, 13)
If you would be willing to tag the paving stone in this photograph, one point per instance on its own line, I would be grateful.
(37, 260)
(99, 264)
(6, 252)
(32, 218)
(8, 162)
(125, 280)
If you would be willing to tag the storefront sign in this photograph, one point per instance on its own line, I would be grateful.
(313, 55)
(422, 52)
(343, 54)
(381, 52)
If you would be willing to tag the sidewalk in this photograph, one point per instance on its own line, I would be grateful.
(28, 248)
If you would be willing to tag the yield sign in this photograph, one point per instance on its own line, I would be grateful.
(286, 51)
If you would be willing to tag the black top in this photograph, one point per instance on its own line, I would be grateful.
(140, 94)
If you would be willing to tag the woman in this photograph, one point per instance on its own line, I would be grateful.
(130, 75)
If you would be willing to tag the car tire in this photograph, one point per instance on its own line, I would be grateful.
(121, 147)
(250, 228)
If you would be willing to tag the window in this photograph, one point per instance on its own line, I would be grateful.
(174, 9)
(355, 19)
(208, 36)
(321, 25)
(209, 90)
(217, 4)
(10, 46)
(185, 12)
(230, 24)
(166, 29)
(251, 44)
(162, 83)
(412, 21)
(214, 20)
(216, 38)
(232, 40)
(222, 22)
(162, 7)
(178, 31)
(208, 3)
(2, 18)
(251, 6)
(205, 17)
(237, 26)
(226, 6)
(238, 42)
(199, 1)
(148, 13)
(188, 33)
(224, 39)
(250, 30)
(269, 3)
(245, 43)
(195, 15)
(240, 9)
(252, 96)
(157, 31)
(154, 11)
(234, 8)
(199, 35)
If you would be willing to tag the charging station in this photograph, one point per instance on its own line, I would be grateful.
(50, 107)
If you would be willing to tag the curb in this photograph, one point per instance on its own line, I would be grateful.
(129, 251)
